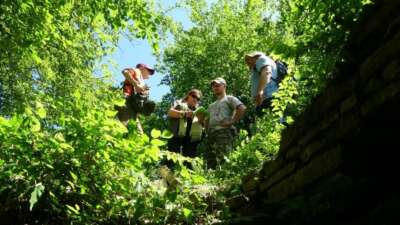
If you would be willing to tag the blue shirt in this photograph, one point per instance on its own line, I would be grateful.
(271, 86)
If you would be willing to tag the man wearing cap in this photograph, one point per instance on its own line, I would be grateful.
(136, 93)
(223, 114)
(262, 79)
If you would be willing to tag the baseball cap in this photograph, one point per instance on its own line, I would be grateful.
(253, 54)
(218, 80)
(151, 70)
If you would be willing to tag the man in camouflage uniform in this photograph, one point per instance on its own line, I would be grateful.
(224, 113)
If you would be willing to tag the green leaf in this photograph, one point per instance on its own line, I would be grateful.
(185, 173)
(153, 152)
(74, 209)
(71, 184)
(49, 166)
(111, 113)
(59, 137)
(77, 94)
(157, 142)
(366, 2)
(74, 176)
(35, 125)
(167, 134)
(35, 195)
(40, 110)
(3, 121)
(155, 133)
(119, 102)
(83, 189)
(187, 213)
(201, 110)
(36, 58)
(66, 146)
(197, 179)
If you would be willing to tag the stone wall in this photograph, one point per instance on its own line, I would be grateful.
(337, 163)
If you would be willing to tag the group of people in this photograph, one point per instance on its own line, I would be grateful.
(188, 120)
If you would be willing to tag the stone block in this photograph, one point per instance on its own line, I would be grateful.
(288, 136)
(252, 194)
(348, 104)
(270, 167)
(328, 120)
(373, 85)
(374, 64)
(318, 167)
(331, 97)
(311, 149)
(293, 153)
(249, 176)
(279, 175)
(250, 184)
(379, 98)
(392, 71)
(369, 33)
(347, 124)
(237, 202)
(312, 132)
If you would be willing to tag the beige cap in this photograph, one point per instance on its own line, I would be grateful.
(253, 54)
(218, 80)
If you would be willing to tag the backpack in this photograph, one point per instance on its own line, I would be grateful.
(282, 71)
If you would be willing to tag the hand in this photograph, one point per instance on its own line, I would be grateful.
(128, 71)
(259, 98)
(146, 92)
(189, 114)
(141, 89)
(227, 122)
(201, 117)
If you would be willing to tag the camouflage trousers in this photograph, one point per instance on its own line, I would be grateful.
(219, 143)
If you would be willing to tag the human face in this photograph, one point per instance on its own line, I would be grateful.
(193, 100)
(251, 62)
(218, 88)
(145, 73)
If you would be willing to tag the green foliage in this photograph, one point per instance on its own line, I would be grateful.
(35, 195)
(214, 47)
(85, 170)
(64, 156)
(51, 47)
(313, 34)
(201, 111)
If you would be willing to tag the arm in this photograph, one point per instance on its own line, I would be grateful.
(174, 113)
(239, 112)
(206, 122)
(265, 77)
(127, 74)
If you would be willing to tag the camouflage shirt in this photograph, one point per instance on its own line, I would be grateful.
(221, 110)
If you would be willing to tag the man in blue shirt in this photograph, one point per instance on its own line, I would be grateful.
(262, 79)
